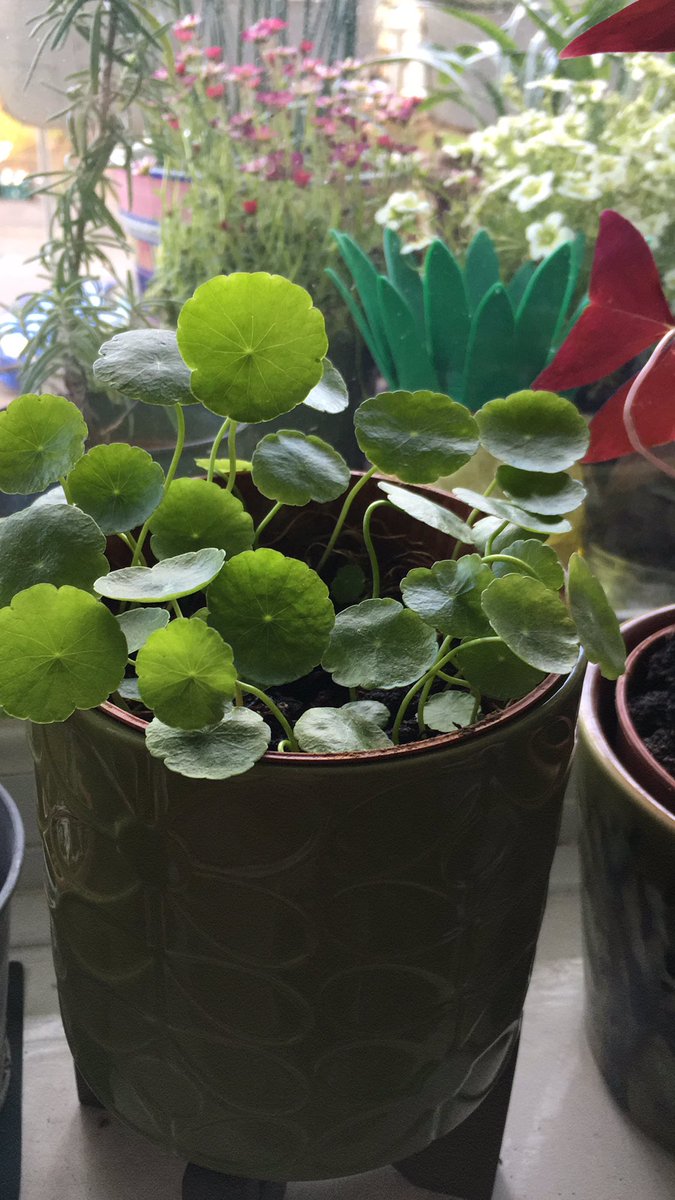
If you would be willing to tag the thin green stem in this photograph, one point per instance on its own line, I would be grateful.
(276, 712)
(232, 447)
(433, 671)
(215, 448)
(511, 558)
(283, 745)
(493, 537)
(66, 490)
(368, 540)
(269, 516)
(455, 680)
(176, 608)
(173, 467)
(238, 696)
(424, 695)
(349, 500)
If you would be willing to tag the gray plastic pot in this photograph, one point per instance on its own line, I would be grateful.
(11, 857)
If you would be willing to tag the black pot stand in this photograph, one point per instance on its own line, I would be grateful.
(462, 1164)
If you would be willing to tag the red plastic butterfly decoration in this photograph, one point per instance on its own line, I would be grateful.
(644, 25)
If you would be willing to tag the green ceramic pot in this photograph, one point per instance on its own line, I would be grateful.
(627, 842)
(313, 969)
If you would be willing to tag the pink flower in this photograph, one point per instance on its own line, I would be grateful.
(250, 207)
(215, 53)
(162, 74)
(184, 30)
(263, 29)
(276, 99)
(245, 73)
(302, 178)
(306, 46)
(215, 90)
(171, 121)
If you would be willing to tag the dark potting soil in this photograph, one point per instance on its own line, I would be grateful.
(652, 704)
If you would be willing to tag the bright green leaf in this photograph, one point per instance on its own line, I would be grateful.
(495, 671)
(167, 580)
(41, 439)
(535, 431)
(533, 622)
(487, 528)
(428, 512)
(548, 495)
(446, 712)
(341, 730)
(295, 467)
(330, 394)
(222, 466)
(447, 595)
(194, 515)
(54, 543)
(138, 623)
(60, 650)
(275, 612)
(511, 512)
(596, 622)
(118, 485)
(542, 559)
(186, 674)
(417, 436)
(128, 689)
(255, 345)
(145, 364)
(229, 748)
(379, 644)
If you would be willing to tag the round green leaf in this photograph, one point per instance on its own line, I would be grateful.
(341, 730)
(145, 364)
(596, 622)
(128, 689)
(536, 431)
(487, 528)
(330, 394)
(446, 712)
(138, 623)
(186, 674)
(542, 559)
(533, 622)
(349, 584)
(167, 580)
(229, 748)
(118, 485)
(54, 543)
(255, 345)
(295, 467)
(222, 466)
(496, 671)
(548, 495)
(511, 512)
(41, 439)
(447, 595)
(379, 644)
(275, 612)
(417, 436)
(60, 650)
(194, 515)
(428, 512)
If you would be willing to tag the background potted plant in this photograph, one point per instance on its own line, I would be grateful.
(243, 933)
(628, 812)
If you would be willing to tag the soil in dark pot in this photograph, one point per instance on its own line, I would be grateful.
(627, 843)
(11, 857)
(319, 967)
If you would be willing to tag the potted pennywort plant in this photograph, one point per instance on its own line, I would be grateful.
(301, 742)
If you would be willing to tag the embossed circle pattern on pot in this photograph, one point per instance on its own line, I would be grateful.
(247, 1078)
(240, 1140)
(386, 1000)
(383, 835)
(250, 924)
(390, 919)
(237, 1001)
(386, 1070)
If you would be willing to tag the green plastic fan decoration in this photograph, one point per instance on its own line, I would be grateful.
(459, 329)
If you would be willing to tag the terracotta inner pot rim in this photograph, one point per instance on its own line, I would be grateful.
(624, 715)
(525, 707)
(592, 725)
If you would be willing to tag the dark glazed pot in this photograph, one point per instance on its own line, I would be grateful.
(643, 766)
(627, 843)
(11, 858)
(313, 969)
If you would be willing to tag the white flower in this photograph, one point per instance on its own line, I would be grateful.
(580, 187)
(420, 244)
(543, 237)
(653, 227)
(401, 205)
(669, 281)
(531, 191)
(611, 172)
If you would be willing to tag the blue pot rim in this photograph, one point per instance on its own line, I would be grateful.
(17, 853)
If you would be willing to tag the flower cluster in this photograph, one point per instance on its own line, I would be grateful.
(282, 148)
(538, 175)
